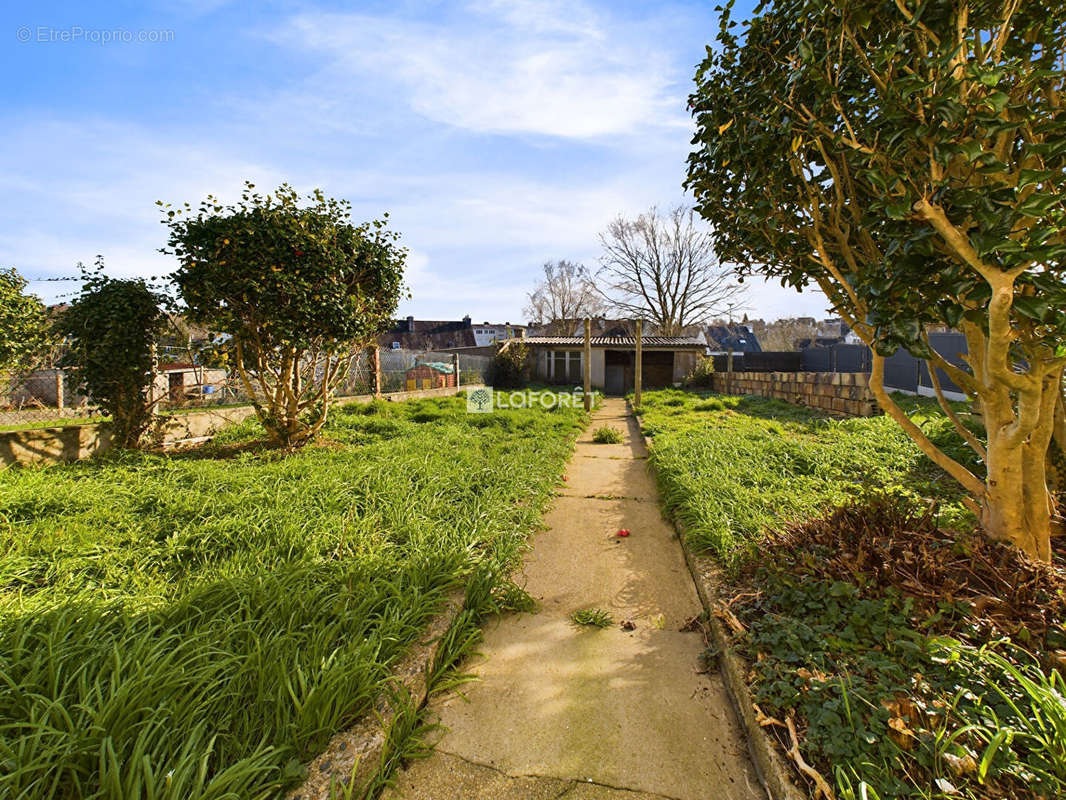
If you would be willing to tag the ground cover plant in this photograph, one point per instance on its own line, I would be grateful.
(198, 625)
(893, 656)
(605, 434)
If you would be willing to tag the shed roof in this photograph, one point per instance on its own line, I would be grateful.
(624, 342)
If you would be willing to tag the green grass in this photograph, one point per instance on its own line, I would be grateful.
(592, 618)
(199, 625)
(730, 467)
(607, 435)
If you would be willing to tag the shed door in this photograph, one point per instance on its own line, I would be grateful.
(615, 379)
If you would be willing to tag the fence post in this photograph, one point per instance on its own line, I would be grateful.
(59, 390)
(376, 360)
(588, 364)
(638, 371)
(455, 369)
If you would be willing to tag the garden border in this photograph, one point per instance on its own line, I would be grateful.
(773, 771)
(356, 755)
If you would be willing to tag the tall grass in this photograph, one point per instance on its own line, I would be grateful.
(730, 467)
(198, 626)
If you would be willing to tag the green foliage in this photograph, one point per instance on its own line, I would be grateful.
(731, 467)
(297, 287)
(23, 324)
(824, 126)
(198, 625)
(892, 711)
(111, 328)
(592, 618)
(701, 376)
(508, 368)
(607, 435)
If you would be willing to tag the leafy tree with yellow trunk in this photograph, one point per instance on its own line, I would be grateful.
(909, 158)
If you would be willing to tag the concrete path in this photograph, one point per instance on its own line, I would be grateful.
(561, 711)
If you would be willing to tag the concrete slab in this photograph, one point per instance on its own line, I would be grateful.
(446, 776)
(625, 709)
(581, 562)
(595, 476)
(607, 714)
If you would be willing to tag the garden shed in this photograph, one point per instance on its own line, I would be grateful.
(666, 360)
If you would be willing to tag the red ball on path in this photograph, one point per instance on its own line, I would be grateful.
(622, 533)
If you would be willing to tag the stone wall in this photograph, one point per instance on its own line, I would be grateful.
(42, 446)
(843, 393)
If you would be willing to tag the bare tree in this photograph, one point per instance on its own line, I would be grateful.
(662, 268)
(567, 293)
(782, 334)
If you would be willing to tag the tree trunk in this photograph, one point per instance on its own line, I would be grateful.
(1016, 505)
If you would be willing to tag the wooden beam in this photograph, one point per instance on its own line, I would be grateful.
(588, 364)
(638, 369)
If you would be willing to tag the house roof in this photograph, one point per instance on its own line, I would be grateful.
(431, 333)
(736, 337)
(625, 342)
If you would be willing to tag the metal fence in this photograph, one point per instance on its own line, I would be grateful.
(903, 372)
(49, 396)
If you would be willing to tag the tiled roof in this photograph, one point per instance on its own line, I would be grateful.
(675, 342)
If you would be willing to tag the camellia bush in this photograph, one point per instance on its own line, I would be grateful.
(297, 288)
(909, 158)
(110, 330)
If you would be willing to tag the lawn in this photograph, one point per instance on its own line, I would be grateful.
(731, 467)
(198, 625)
(912, 657)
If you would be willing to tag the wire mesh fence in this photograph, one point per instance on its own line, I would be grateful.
(50, 396)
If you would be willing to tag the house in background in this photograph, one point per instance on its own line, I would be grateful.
(732, 337)
(445, 335)
(665, 362)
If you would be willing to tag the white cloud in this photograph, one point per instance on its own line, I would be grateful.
(549, 69)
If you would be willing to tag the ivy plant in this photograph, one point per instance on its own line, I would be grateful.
(110, 328)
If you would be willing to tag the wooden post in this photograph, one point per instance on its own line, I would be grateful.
(455, 369)
(588, 364)
(376, 359)
(59, 390)
(638, 368)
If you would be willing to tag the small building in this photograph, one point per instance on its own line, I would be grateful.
(666, 360)
(181, 382)
(430, 375)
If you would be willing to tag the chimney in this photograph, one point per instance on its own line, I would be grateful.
(410, 324)
(466, 321)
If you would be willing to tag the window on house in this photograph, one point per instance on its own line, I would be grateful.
(565, 366)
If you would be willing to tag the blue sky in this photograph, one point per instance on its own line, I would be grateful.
(498, 134)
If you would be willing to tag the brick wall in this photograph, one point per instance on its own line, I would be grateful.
(843, 393)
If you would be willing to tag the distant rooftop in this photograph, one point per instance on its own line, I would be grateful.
(669, 342)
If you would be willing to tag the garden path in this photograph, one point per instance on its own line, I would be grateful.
(561, 711)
